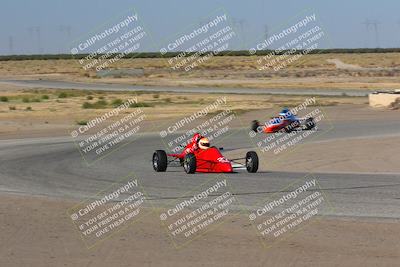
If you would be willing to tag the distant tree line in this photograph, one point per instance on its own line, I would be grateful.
(223, 53)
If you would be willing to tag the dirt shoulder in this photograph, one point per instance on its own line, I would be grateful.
(37, 232)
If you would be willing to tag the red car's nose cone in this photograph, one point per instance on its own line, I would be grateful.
(224, 167)
(211, 160)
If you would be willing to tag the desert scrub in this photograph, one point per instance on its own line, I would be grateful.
(82, 122)
(3, 99)
(62, 95)
(86, 105)
(97, 105)
(140, 104)
(117, 102)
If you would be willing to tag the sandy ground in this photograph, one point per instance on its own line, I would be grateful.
(37, 232)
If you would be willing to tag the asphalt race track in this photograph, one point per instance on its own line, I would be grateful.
(54, 167)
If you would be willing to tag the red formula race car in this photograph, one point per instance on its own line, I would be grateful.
(284, 122)
(208, 160)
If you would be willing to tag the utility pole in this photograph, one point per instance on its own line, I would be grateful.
(39, 39)
(398, 22)
(374, 24)
(367, 23)
(266, 32)
(11, 45)
(31, 40)
(65, 30)
(239, 23)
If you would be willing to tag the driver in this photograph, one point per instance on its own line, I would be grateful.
(204, 143)
(198, 142)
(193, 145)
(288, 115)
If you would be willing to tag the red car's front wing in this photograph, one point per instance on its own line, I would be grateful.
(209, 166)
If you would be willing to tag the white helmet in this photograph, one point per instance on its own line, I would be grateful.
(204, 143)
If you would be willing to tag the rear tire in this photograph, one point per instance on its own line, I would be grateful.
(189, 163)
(251, 162)
(160, 161)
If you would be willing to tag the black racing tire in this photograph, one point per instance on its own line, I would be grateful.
(310, 123)
(288, 129)
(160, 161)
(251, 162)
(254, 125)
(292, 126)
(189, 163)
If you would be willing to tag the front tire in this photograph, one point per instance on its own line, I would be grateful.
(251, 162)
(160, 161)
(310, 124)
(292, 126)
(254, 125)
(189, 163)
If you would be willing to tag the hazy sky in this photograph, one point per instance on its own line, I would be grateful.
(49, 26)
